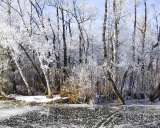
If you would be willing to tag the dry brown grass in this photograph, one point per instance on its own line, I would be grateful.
(77, 94)
(72, 92)
(87, 94)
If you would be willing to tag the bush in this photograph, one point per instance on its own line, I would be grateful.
(87, 95)
(5, 86)
(80, 86)
(72, 92)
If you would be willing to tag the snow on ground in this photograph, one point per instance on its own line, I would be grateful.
(124, 126)
(8, 112)
(83, 105)
(143, 103)
(37, 99)
(44, 99)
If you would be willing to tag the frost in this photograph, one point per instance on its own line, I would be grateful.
(8, 112)
(37, 99)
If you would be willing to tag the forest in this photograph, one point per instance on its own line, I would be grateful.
(69, 48)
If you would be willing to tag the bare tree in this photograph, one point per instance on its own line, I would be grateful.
(64, 39)
(132, 76)
(134, 31)
(143, 31)
(14, 57)
(104, 30)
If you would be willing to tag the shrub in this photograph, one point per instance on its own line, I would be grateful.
(70, 91)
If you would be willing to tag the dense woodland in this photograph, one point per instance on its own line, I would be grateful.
(50, 47)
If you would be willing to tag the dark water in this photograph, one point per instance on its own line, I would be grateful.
(86, 117)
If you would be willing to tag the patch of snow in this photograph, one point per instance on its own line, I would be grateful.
(142, 103)
(37, 99)
(4, 126)
(144, 106)
(124, 126)
(75, 105)
(8, 112)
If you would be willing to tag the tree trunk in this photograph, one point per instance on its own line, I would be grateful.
(33, 64)
(104, 31)
(22, 75)
(134, 31)
(116, 42)
(116, 91)
(46, 78)
(116, 29)
(64, 39)
(80, 50)
(132, 76)
(143, 45)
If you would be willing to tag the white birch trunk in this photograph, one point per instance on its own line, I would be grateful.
(21, 73)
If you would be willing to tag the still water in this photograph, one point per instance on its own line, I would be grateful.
(65, 116)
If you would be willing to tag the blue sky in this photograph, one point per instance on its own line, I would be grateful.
(99, 4)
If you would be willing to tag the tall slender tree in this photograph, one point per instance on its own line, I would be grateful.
(104, 30)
